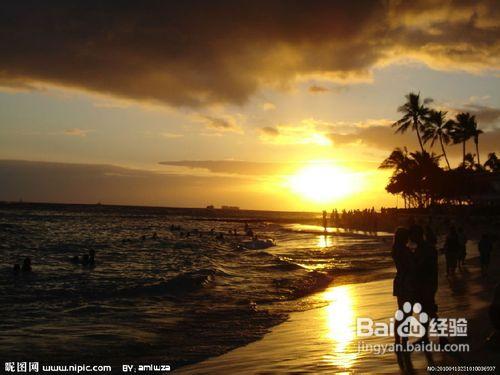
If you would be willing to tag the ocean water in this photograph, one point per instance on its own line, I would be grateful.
(172, 299)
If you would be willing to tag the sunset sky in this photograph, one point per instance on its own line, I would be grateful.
(283, 105)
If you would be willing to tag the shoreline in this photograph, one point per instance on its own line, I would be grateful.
(323, 339)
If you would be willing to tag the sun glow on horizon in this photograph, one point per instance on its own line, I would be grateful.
(324, 183)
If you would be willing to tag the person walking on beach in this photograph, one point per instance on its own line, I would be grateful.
(404, 281)
(462, 248)
(325, 221)
(451, 249)
(26, 267)
(485, 247)
(430, 236)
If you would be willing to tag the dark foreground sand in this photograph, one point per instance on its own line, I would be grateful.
(324, 340)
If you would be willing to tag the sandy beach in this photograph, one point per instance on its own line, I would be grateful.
(324, 339)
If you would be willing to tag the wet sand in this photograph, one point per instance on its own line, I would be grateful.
(324, 340)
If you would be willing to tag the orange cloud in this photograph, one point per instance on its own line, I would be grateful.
(315, 89)
(77, 132)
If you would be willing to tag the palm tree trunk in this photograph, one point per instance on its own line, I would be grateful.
(463, 152)
(477, 150)
(420, 139)
(444, 152)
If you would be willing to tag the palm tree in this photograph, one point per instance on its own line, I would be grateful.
(415, 113)
(476, 133)
(399, 182)
(437, 128)
(398, 159)
(427, 162)
(463, 129)
(415, 176)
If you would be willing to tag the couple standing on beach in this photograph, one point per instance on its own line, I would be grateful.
(415, 256)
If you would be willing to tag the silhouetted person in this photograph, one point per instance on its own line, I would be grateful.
(404, 281)
(249, 232)
(430, 236)
(16, 269)
(91, 257)
(485, 247)
(451, 249)
(325, 221)
(462, 247)
(426, 274)
(26, 265)
(85, 260)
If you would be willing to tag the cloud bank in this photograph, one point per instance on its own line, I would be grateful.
(62, 182)
(195, 53)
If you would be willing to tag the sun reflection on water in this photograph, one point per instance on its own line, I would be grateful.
(324, 241)
(340, 321)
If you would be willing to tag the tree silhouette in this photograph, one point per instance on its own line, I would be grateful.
(493, 163)
(415, 114)
(469, 162)
(417, 176)
(475, 135)
(414, 176)
(464, 128)
(398, 159)
(438, 128)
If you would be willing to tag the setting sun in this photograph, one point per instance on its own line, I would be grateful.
(324, 183)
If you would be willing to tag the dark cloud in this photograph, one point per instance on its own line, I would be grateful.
(220, 123)
(194, 53)
(62, 182)
(236, 166)
(381, 137)
(384, 138)
(484, 114)
(239, 167)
